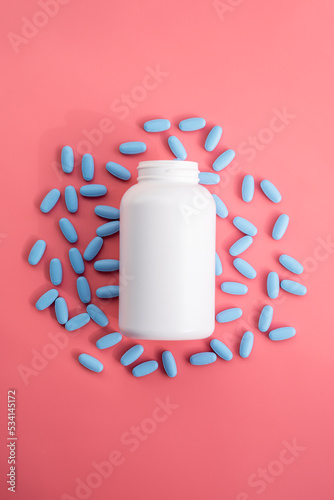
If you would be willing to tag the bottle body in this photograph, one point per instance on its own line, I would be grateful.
(167, 254)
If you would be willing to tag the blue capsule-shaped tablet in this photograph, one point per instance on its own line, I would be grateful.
(221, 209)
(47, 299)
(56, 272)
(93, 190)
(132, 148)
(208, 178)
(271, 191)
(284, 333)
(203, 358)
(97, 315)
(87, 167)
(223, 160)
(158, 125)
(68, 230)
(244, 268)
(280, 226)
(76, 260)
(93, 248)
(169, 364)
(71, 199)
(273, 285)
(229, 315)
(213, 138)
(107, 292)
(106, 265)
(67, 159)
(61, 310)
(118, 171)
(177, 147)
(293, 287)
(108, 228)
(240, 245)
(218, 265)
(109, 340)
(234, 288)
(107, 212)
(191, 124)
(50, 200)
(246, 344)
(90, 362)
(221, 349)
(132, 355)
(291, 264)
(145, 368)
(77, 322)
(37, 252)
(248, 188)
(83, 289)
(244, 226)
(265, 318)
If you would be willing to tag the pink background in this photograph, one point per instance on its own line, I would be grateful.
(237, 65)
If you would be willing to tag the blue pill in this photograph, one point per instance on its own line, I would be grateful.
(265, 318)
(37, 252)
(109, 340)
(271, 191)
(203, 358)
(247, 188)
(158, 125)
(273, 285)
(107, 292)
(132, 355)
(93, 190)
(76, 260)
(145, 368)
(213, 138)
(83, 290)
(67, 159)
(68, 230)
(229, 315)
(234, 288)
(221, 349)
(61, 310)
(107, 212)
(244, 268)
(90, 362)
(132, 148)
(87, 167)
(77, 322)
(223, 160)
(169, 364)
(93, 248)
(71, 199)
(47, 299)
(246, 344)
(218, 266)
(191, 124)
(97, 315)
(240, 245)
(108, 228)
(221, 209)
(106, 265)
(291, 264)
(118, 171)
(245, 226)
(284, 333)
(208, 178)
(177, 147)
(50, 200)
(280, 226)
(293, 287)
(56, 272)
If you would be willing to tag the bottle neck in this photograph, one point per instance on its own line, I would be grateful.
(168, 171)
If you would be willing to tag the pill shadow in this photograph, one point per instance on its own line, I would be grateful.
(269, 224)
(237, 188)
(263, 276)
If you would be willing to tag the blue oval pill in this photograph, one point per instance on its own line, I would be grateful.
(118, 171)
(76, 260)
(67, 159)
(93, 248)
(61, 310)
(77, 322)
(223, 160)
(158, 125)
(87, 167)
(273, 285)
(132, 355)
(208, 178)
(109, 340)
(248, 188)
(90, 362)
(191, 124)
(240, 245)
(169, 364)
(108, 228)
(56, 272)
(221, 209)
(265, 318)
(46, 299)
(229, 315)
(50, 200)
(246, 344)
(68, 230)
(145, 368)
(293, 287)
(107, 292)
(245, 226)
(93, 190)
(97, 315)
(107, 212)
(177, 147)
(244, 268)
(83, 290)
(271, 191)
(291, 264)
(286, 332)
(280, 226)
(71, 199)
(37, 252)
(221, 349)
(234, 288)
(218, 266)
(213, 138)
(132, 148)
(106, 265)
(203, 358)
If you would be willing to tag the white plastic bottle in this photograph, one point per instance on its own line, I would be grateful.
(167, 254)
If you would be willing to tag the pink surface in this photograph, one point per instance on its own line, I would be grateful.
(239, 430)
